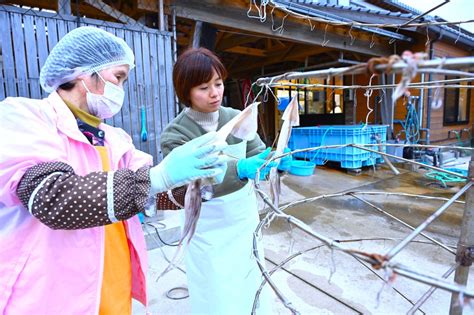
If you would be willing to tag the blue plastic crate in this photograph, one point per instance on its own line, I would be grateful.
(349, 157)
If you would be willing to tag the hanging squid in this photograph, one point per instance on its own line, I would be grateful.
(291, 118)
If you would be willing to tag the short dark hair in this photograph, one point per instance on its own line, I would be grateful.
(67, 86)
(193, 67)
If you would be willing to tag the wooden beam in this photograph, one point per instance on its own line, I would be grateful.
(162, 15)
(277, 57)
(237, 18)
(234, 40)
(197, 32)
(232, 62)
(219, 37)
(280, 43)
(287, 51)
(305, 51)
(268, 43)
(247, 51)
(116, 14)
(64, 7)
(147, 5)
(51, 5)
(183, 40)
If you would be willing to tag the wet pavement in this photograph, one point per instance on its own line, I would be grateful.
(325, 281)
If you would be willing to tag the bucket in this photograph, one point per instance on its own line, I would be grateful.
(302, 168)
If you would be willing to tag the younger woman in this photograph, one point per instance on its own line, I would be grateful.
(222, 273)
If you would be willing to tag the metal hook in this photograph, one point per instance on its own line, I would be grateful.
(262, 10)
(368, 93)
(279, 28)
(325, 42)
(393, 39)
(311, 24)
(372, 41)
(350, 35)
(459, 33)
(427, 37)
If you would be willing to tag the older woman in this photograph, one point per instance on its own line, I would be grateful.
(71, 186)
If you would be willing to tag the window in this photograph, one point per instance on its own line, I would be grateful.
(456, 104)
(315, 99)
(334, 101)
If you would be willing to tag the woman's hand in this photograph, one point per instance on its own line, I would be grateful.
(247, 168)
(193, 160)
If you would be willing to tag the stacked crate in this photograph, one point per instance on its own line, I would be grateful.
(349, 157)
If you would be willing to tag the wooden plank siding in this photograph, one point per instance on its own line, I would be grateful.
(7, 55)
(28, 36)
(156, 110)
(168, 71)
(32, 63)
(439, 132)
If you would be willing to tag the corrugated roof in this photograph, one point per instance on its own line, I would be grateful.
(452, 29)
(409, 13)
(356, 9)
(310, 9)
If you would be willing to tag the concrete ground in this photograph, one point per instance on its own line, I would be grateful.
(322, 281)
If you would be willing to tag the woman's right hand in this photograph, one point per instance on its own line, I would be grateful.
(247, 168)
(193, 160)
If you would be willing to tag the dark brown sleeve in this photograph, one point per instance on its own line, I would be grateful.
(171, 200)
(61, 199)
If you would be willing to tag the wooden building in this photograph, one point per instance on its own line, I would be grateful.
(252, 47)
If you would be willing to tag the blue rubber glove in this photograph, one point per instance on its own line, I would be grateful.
(247, 168)
(285, 162)
(193, 160)
(219, 178)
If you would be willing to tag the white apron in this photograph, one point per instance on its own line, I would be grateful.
(222, 273)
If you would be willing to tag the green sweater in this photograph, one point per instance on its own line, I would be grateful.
(182, 129)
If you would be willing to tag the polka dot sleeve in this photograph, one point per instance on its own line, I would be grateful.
(61, 199)
(171, 200)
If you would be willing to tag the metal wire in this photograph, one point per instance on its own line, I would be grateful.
(397, 67)
(425, 224)
(375, 260)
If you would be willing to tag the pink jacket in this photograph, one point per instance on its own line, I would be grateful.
(45, 271)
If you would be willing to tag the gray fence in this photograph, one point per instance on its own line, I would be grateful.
(27, 36)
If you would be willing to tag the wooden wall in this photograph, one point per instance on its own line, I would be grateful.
(439, 133)
(27, 37)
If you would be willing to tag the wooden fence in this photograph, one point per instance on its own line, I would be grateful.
(27, 37)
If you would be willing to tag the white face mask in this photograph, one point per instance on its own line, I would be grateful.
(106, 105)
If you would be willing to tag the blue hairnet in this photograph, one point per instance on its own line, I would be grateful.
(83, 50)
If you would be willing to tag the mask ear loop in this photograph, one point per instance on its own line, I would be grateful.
(98, 74)
(87, 89)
